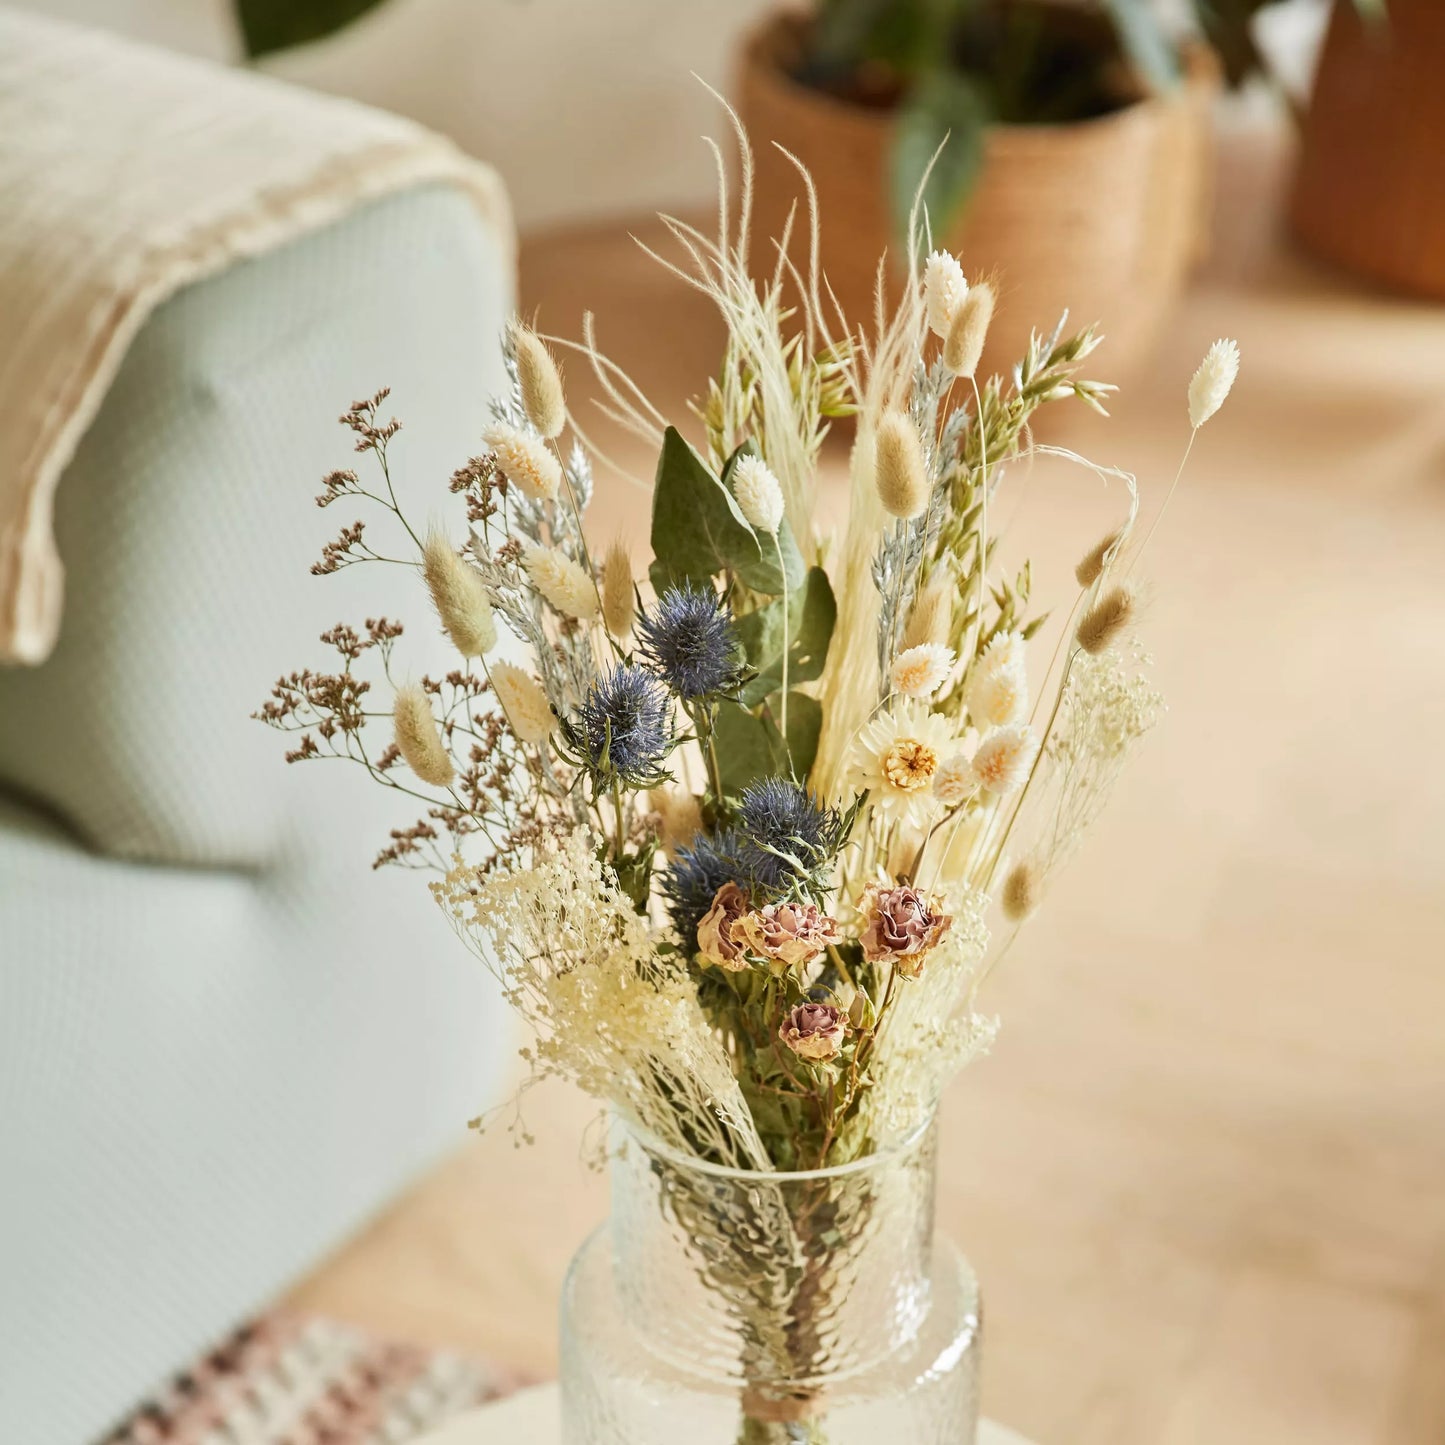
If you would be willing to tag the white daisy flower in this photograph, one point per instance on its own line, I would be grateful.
(1213, 380)
(563, 582)
(944, 288)
(1004, 758)
(525, 461)
(896, 756)
(921, 670)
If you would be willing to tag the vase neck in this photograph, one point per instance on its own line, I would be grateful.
(784, 1278)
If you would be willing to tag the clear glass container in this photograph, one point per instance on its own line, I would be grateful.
(727, 1307)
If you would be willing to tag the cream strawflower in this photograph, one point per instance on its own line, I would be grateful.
(524, 700)
(896, 756)
(525, 461)
(921, 670)
(955, 781)
(998, 687)
(759, 495)
(1213, 380)
(563, 582)
(943, 291)
(1004, 758)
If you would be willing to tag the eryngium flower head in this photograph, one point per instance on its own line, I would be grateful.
(785, 834)
(691, 885)
(814, 1031)
(688, 639)
(622, 730)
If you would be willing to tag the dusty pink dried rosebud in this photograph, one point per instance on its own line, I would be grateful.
(788, 935)
(715, 933)
(901, 928)
(814, 1031)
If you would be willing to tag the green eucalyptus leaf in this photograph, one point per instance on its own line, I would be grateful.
(268, 25)
(812, 613)
(750, 747)
(697, 527)
(1145, 41)
(946, 114)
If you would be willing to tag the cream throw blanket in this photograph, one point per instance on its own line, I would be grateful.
(125, 174)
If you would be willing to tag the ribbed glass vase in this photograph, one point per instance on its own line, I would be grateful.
(727, 1307)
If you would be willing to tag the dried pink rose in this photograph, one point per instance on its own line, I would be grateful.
(814, 1031)
(715, 939)
(788, 935)
(901, 928)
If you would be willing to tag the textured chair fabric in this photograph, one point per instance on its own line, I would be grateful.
(223, 1040)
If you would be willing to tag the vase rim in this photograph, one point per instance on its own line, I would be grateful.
(861, 1165)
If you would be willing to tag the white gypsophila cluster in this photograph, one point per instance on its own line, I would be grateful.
(1213, 381)
(1108, 704)
(582, 967)
(563, 582)
(934, 1031)
(944, 288)
(759, 494)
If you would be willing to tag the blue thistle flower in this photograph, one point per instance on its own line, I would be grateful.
(785, 833)
(688, 639)
(622, 730)
(783, 837)
(692, 882)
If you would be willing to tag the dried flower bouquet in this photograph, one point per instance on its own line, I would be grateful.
(729, 832)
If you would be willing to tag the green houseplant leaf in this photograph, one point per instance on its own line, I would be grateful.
(945, 115)
(268, 25)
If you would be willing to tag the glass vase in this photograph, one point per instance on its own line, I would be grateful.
(729, 1307)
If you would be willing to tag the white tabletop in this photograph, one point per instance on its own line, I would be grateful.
(531, 1417)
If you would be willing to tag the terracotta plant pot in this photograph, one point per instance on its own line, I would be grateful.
(1103, 217)
(1370, 193)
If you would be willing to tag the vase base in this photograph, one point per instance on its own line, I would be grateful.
(616, 1390)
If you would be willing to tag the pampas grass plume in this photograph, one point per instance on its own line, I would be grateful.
(540, 383)
(964, 345)
(619, 600)
(459, 597)
(1091, 565)
(898, 460)
(1021, 891)
(1100, 626)
(418, 739)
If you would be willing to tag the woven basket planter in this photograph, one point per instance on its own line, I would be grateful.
(1103, 217)
(1370, 192)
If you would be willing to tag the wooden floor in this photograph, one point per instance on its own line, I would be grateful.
(1202, 1175)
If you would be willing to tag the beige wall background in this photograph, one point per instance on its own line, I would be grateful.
(588, 107)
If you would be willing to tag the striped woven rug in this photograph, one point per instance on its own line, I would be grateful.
(299, 1380)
